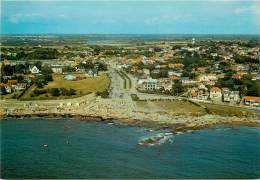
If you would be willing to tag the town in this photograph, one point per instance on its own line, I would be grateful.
(210, 70)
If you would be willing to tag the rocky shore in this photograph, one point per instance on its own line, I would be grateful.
(178, 123)
(121, 111)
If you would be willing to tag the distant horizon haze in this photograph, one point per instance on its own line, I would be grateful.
(209, 17)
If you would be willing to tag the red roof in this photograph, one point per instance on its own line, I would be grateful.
(251, 98)
(215, 89)
(178, 65)
(12, 81)
(237, 76)
(2, 85)
(173, 77)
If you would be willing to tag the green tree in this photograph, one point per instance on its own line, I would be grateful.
(55, 92)
(38, 64)
(177, 88)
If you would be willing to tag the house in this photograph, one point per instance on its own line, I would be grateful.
(230, 96)
(237, 76)
(187, 80)
(34, 70)
(215, 94)
(161, 66)
(174, 77)
(251, 100)
(93, 72)
(200, 93)
(170, 73)
(164, 83)
(12, 81)
(147, 84)
(7, 87)
(177, 65)
(146, 72)
(57, 68)
(208, 77)
(6, 62)
(20, 86)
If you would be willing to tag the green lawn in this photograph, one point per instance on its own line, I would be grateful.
(82, 87)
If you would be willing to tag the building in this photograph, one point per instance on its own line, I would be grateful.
(177, 65)
(57, 68)
(251, 100)
(93, 72)
(208, 77)
(215, 94)
(147, 84)
(230, 96)
(6, 87)
(200, 93)
(34, 70)
(170, 73)
(174, 77)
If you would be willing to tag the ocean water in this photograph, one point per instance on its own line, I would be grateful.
(78, 149)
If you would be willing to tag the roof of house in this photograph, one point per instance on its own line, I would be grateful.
(174, 77)
(12, 81)
(237, 76)
(3, 84)
(215, 89)
(251, 98)
(176, 65)
(163, 66)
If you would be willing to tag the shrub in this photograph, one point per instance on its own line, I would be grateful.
(55, 92)
(67, 92)
(37, 92)
(134, 97)
(103, 94)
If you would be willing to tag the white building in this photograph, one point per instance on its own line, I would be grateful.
(230, 96)
(208, 77)
(147, 84)
(215, 93)
(56, 68)
(34, 70)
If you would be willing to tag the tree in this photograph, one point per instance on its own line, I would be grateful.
(55, 92)
(177, 87)
(20, 68)
(66, 92)
(3, 90)
(46, 70)
(8, 70)
(39, 83)
(38, 64)
(47, 77)
(103, 94)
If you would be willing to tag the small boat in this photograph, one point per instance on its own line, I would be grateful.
(158, 139)
(45, 145)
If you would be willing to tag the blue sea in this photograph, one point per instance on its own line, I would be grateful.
(79, 149)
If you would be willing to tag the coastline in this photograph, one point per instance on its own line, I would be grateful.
(153, 125)
(128, 112)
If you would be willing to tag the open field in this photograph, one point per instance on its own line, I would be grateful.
(82, 87)
(229, 110)
(176, 107)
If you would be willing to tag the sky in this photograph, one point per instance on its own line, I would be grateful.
(130, 17)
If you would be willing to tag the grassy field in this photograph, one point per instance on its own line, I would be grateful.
(228, 110)
(188, 108)
(82, 87)
(173, 107)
